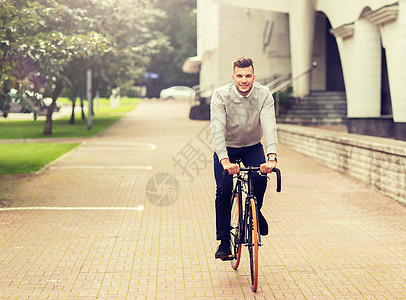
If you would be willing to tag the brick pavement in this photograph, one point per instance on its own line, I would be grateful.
(90, 225)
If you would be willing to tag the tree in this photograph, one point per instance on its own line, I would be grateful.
(180, 26)
(43, 41)
(129, 27)
(38, 45)
(11, 32)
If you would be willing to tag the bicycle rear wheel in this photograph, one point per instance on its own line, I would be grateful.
(253, 244)
(235, 229)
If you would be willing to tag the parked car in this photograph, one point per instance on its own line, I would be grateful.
(178, 92)
(15, 105)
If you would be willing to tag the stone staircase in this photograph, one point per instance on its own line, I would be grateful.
(319, 108)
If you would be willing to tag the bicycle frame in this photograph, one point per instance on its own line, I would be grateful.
(244, 225)
(249, 194)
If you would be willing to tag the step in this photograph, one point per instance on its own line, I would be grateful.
(326, 94)
(312, 120)
(312, 116)
(321, 101)
(309, 116)
(319, 108)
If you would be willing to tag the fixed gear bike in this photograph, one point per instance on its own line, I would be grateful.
(244, 226)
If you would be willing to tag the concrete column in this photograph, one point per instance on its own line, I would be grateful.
(399, 101)
(301, 24)
(365, 98)
(397, 74)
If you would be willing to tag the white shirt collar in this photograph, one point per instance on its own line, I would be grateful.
(241, 96)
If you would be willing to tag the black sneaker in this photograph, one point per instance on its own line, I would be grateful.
(223, 252)
(263, 225)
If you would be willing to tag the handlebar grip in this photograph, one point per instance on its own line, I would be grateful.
(223, 180)
(278, 179)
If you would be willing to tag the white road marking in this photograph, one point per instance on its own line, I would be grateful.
(137, 208)
(102, 167)
(143, 146)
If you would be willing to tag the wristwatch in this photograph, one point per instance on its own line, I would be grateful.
(272, 158)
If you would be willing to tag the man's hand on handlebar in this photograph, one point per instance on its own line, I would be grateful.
(235, 168)
(230, 167)
(267, 167)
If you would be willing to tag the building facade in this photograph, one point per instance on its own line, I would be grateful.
(359, 47)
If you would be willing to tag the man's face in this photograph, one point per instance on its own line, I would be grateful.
(243, 79)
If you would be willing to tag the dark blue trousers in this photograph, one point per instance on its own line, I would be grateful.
(250, 156)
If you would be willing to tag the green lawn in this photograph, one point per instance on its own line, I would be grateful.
(29, 129)
(17, 158)
(104, 117)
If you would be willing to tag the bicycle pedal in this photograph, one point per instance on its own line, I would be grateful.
(230, 257)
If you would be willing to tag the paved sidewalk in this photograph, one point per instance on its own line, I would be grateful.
(98, 223)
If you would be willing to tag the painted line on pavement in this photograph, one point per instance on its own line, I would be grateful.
(102, 167)
(143, 146)
(87, 148)
(136, 208)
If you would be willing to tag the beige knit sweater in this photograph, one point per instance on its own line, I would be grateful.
(237, 121)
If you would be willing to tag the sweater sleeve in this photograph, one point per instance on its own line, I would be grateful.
(218, 125)
(268, 123)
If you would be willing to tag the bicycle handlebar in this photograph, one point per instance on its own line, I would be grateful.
(278, 179)
(256, 169)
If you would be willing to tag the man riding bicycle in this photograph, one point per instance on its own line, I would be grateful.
(241, 113)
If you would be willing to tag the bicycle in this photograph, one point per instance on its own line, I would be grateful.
(244, 227)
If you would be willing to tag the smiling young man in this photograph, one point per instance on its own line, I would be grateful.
(242, 112)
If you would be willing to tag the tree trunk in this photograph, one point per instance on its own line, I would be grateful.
(48, 121)
(72, 117)
(82, 108)
(92, 108)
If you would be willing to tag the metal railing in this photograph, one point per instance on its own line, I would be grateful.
(283, 82)
(200, 89)
(274, 88)
(277, 83)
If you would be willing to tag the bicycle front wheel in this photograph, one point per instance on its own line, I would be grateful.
(235, 230)
(253, 244)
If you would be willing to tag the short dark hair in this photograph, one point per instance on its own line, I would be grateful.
(243, 62)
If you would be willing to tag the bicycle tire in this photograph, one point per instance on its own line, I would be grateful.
(235, 230)
(253, 244)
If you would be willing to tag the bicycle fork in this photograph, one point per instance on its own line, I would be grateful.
(246, 230)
